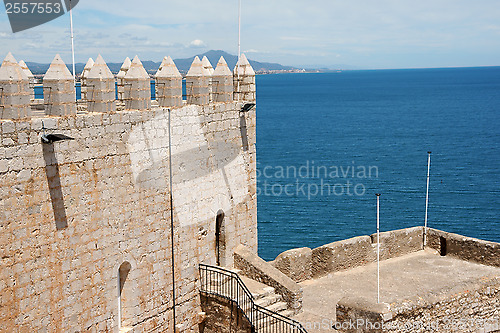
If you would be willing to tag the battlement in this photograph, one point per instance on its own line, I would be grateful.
(102, 92)
(106, 230)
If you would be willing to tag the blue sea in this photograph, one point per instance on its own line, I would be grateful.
(314, 130)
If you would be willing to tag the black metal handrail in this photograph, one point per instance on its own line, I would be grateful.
(227, 284)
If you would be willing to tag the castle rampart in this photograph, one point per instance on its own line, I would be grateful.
(85, 237)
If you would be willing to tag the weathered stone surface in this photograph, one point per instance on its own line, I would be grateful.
(349, 253)
(31, 78)
(396, 243)
(295, 263)
(341, 255)
(120, 83)
(137, 87)
(197, 84)
(101, 88)
(223, 316)
(244, 80)
(222, 82)
(465, 248)
(254, 267)
(83, 78)
(59, 90)
(210, 70)
(14, 90)
(79, 209)
(168, 84)
(207, 65)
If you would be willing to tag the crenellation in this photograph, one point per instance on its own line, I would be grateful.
(120, 78)
(100, 88)
(197, 84)
(210, 71)
(31, 78)
(244, 80)
(137, 87)
(83, 78)
(14, 90)
(222, 82)
(109, 187)
(168, 84)
(59, 90)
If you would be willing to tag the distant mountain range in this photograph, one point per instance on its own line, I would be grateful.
(182, 64)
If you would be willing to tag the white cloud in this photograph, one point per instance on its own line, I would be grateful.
(197, 43)
(367, 33)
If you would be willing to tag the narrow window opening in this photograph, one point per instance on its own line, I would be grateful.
(123, 272)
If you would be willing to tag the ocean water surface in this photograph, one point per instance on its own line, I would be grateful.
(326, 143)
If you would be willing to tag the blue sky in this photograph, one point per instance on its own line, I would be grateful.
(358, 33)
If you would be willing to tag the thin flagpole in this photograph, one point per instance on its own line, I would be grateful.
(378, 247)
(427, 198)
(239, 29)
(72, 42)
(239, 52)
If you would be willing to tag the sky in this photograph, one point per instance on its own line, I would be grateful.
(368, 34)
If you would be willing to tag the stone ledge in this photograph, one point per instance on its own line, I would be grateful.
(254, 267)
(464, 248)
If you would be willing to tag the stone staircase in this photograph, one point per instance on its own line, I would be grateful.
(263, 296)
(266, 297)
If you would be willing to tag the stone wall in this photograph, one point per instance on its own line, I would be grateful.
(74, 212)
(304, 263)
(475, 310)
(465, 248)
(254, 267)
(222, 316)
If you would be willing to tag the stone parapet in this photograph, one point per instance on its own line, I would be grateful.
(83, 78)
(101, 88)
(14, 90)
(244, 80)
(222, 82)
(120, 82)
(168, 84)
(137, 87)
(475, 309)
(31, 78)
(198, 84)
(304, 263)
(252, 266)
(59, 90)
(464, 248)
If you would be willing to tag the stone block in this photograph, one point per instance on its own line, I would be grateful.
(14, 90)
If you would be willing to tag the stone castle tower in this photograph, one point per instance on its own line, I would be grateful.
(109, 205)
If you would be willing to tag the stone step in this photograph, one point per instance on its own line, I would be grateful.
(268, 300)
(287, 313)
(276, 307)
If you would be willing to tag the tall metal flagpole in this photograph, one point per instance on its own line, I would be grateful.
(239, 52)
(72, 42)
(239, 29)
(427, 198)
(378, 247)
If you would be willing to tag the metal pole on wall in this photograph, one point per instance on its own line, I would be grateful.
(378, 247)
(171, 197)
(72, 41)
(427, 198)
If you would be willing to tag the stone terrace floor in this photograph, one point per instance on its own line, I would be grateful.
(421, 275)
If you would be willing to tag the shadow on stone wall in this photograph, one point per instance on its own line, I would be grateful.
(243, 131)
(54, 182)
(223, 316)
